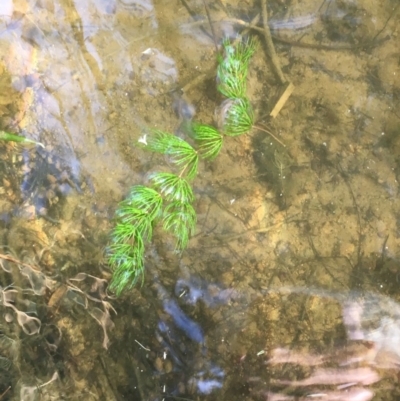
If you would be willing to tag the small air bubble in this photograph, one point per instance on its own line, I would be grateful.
(8, 317)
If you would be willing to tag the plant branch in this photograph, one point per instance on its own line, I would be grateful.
(252, 25)
(269, 133)
(270, 45)
(211, 25)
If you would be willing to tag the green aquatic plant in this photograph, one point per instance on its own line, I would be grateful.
(6, 136)
(236, 113)
(181, 152)
(173, 187)
(237, 116)
(135, 218)
(168, 198)
(233, 67)
(180, 220)
(209, 140)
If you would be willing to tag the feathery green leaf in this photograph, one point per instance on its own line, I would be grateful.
(180, 220)
(231, 76)
(181, 153)
(146, 199)
(132, 224)
(233, 67)
(174, 188)
(126, 259)
(209, 140)
(245, 49)
(238, 116)
(126, 273)
(135, 217)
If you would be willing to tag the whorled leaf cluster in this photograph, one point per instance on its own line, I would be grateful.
(237, 114)
(168, 198)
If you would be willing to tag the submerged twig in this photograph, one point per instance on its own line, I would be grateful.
(211, 25)
(270, 45)
(5, 392)
(295, 43)
(147, 349)
(257, 230)
(367, 44)
(282, 100)
(269, 133)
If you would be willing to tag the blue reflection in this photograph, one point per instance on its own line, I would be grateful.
(194, 289)
(210, 379)
(207, 386)
(188, 326)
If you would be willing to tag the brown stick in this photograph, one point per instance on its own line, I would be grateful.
(211, 25)
(282, 100)
(5, 392)
(270, 45)
(296, 43)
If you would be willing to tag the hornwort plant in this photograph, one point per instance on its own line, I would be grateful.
(168, 198)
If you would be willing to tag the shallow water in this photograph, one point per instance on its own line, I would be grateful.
(291, 281)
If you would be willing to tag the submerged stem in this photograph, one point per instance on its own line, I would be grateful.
(269, 133)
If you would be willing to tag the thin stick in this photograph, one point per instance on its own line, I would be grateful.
(296, 43)
(270, 44)
(5, 392)
(364, 45)
(282, 100)
(211, 25)
(254, 22)
(269, 133)
(147, 349)
(257, 230)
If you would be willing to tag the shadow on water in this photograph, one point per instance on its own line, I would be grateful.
(288, 290)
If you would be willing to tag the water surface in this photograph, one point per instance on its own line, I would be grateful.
(288, 290)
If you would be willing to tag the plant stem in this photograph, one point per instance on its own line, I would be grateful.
(269, 133)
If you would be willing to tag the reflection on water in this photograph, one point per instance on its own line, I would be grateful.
(372, 328)
(288, 291)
